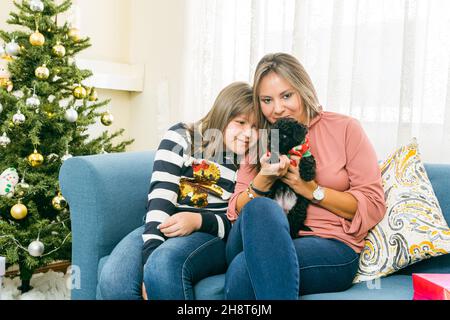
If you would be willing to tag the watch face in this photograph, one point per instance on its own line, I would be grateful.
(318, 194)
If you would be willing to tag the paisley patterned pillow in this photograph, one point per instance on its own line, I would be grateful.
(413, 228)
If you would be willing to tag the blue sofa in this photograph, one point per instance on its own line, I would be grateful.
(107, 195)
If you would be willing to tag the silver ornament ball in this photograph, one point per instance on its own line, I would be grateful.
(33, 101)
(36, 6)
(4, 140)
(71, 115)
(36, 248)
(18, 118)
(18, 94)
(12, 48)
(1, 107)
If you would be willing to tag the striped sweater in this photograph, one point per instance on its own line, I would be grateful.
(182, 183)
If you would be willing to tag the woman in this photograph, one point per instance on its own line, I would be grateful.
(186, 221)
(347, 197)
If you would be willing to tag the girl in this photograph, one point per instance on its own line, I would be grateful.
(193, 178)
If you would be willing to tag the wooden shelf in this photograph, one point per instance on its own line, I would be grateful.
(60, 266)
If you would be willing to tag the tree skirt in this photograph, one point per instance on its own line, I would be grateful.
(46, 286)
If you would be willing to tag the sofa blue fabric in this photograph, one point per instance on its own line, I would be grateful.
(107, 195)
(395, 287)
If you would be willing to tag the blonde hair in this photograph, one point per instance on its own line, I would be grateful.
(234, 100)
(289, 68)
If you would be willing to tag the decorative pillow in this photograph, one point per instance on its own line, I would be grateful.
(413, 228)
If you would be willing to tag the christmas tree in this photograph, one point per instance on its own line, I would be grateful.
(45, 112)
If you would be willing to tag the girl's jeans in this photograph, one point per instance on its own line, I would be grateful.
(176, 265)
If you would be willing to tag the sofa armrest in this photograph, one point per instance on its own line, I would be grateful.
(107, 195)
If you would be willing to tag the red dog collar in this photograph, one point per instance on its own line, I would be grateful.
(301, 150)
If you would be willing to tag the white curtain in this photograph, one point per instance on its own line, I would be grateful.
(384, 62)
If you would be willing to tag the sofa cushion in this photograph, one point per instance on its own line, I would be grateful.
(395, 287)
(414, 227)
(211, 288)
(439, 175)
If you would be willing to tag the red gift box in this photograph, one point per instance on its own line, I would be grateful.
(431, 286)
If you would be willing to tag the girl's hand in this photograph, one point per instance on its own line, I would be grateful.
(181, 224)
(274, 171)
(293, 180)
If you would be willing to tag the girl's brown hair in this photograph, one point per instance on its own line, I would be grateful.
(234, 100)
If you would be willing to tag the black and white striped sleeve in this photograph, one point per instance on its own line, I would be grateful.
(164, 187)
(216, 224)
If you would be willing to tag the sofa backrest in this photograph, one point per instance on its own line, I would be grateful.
(439, 175)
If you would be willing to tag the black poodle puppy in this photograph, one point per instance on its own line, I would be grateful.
(290, 135)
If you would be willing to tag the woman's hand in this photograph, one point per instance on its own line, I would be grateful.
(144, 292)
(266, 177)
(274, 171)
(293, 180)
(181, 224)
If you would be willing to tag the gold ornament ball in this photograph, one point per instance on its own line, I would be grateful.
(59, 203)
(35, 159)
(42, 72)
(37, 39)
(79, 92)
(74, 34)
(59, 50)
(93, 96)
(107, 119)
(7, 84)
(22, 189)
(19, 211)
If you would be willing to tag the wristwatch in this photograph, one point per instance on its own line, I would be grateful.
(318, 194)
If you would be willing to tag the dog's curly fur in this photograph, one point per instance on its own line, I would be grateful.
(291, 134)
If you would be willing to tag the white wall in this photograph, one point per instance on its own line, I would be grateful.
(156, 40)
(107, 23)
(5, 7)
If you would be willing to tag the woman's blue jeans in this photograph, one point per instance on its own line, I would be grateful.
(179, 263)
(266, 264)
